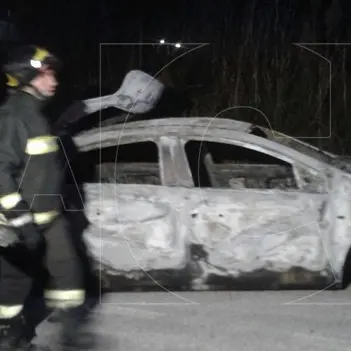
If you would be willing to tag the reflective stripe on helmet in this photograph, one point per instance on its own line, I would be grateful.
(12, 81)
(39, 58)
(40, 55)
(26, 63)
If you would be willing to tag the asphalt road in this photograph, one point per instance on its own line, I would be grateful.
(228, 321)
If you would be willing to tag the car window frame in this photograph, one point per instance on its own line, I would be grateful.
(255, 143)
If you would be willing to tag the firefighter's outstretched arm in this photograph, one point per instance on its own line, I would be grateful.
(14, 211)
(138, 94)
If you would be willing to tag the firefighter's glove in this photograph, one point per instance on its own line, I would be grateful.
(8, 236)
(27, 231)
(30, 236)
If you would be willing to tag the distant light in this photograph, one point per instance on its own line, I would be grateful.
(162, 41)
(178, 45)
(35, 63)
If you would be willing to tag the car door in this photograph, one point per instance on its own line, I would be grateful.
(257, 217)
(134, 206)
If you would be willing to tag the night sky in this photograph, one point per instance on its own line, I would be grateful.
(251, 59)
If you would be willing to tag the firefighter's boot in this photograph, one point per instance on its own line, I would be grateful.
(13, 336)
(77, 330)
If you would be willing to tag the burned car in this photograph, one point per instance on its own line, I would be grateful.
(200, 203)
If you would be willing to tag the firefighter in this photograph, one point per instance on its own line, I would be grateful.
(32, 212)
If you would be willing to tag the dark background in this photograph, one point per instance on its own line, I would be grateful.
(251, 61)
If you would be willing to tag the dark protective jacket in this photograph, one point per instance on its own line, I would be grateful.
(31, 172)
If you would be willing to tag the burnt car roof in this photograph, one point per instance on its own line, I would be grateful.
(189, 124)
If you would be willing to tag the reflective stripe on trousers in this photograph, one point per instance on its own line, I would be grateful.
(64, 298)
(7, 312)
(38, 218)
(54, 298)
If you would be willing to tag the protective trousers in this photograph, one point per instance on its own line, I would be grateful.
(19, 259)
(94, 290)
(56, 264)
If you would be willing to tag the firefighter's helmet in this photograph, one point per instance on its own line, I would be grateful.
(27, 62)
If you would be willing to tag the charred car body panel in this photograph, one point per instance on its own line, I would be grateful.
(218, 223)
